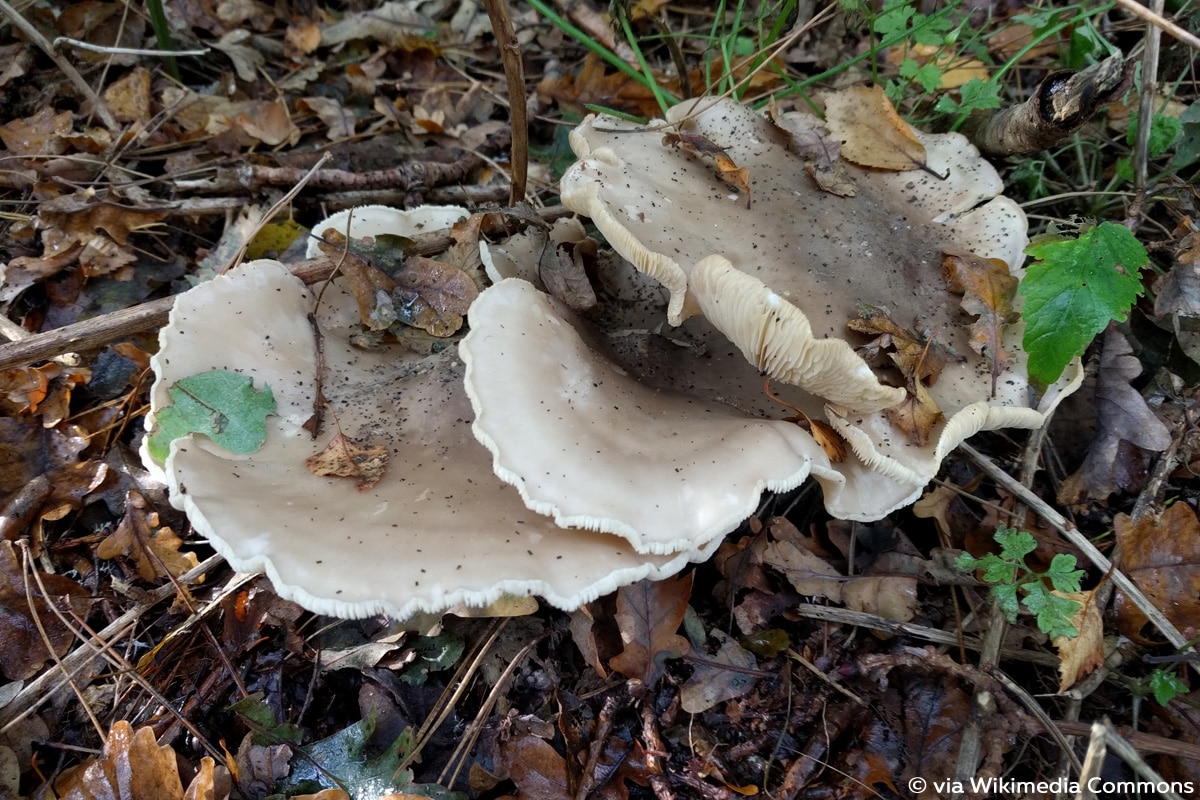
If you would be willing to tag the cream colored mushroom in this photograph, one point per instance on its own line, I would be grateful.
(783, 277)
(439, 529)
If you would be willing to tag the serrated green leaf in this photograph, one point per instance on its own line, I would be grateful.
(1063, 574)
(998, 570)
(1076, 287)
(978, 95)
(1166, 686)
(1015, 544)
(1005, 595)
(1054, 613)
(222, 405)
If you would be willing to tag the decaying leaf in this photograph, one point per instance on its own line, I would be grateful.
(705, 149)
(1123, 416)
(825, 434)
(821, 154)
(372, 287)
(1161, 554)
(871, 132)
(433, 295)
(131, 767)
(345, 458)
(154, 548)
(715, 679)
(988, 290)
(807, 572)
(563, 270)
(888, 596)
(649, 613)
(915, 415)
(920, 358)
(1083, 654)
(22, 649)
(81, 215)
(537, 768)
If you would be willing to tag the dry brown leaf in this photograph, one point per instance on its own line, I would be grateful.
(372, 287)
(129, 98)
(919, 359)
(649, 613)
(563, 270)
(1083, 654)
(303, 36)
(338, 120)
(82, 215)
(131, 767)
(705, 149)
(988, 289)
(270, 123)
(916, 415)
(536, 768)
(40, 134)
(22, 649)
(935, 505)
(154, 549)
(593, 87)
(1161, 554)
(718, 678)
(434, 295)
(808, 573)
(345, 458)
(871, 132)
(889, 596)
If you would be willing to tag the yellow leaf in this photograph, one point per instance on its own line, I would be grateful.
(1082, 654)
(871, 132)
(344, 458)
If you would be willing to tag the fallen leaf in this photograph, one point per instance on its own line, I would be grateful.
(537, 768)
(1161, 555)
(345, 458)
(593, 86)
(919, 358)
(338, 120)
(270, 123)
(22, 649)
(988, 290)
(128, 98)
(705, 149)
(433, 295)
(563, 270)
(871, 132)
(372, 287)
(889, 596)
(916, 415)
(711, 683)
(1083, 654)
(82, 215)
(1123, 416)
(649, 613)
(131, 767)
(222, 405)
(40, 134)
(154, 548)
(808, 573)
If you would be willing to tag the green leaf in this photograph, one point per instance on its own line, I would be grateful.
(1014, 544)
(893, 19)
(978, 95)
(1164, 131)
(1062, 573)
(1166, 686)
(1054, 613)
(1075, 288)
(222, 405)
(1005, 595)
(267, 730)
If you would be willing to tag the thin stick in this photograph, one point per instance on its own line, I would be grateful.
(514, 76)
(1160, 22)
(1141, 150)
(32, 34)
(127, 51)
(1063, 526)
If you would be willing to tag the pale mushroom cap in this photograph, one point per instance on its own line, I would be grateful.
(605, 448)
(367, 221)
(438, 531)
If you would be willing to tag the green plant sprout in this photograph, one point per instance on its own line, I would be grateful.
(1014, 584)
(1166, 686)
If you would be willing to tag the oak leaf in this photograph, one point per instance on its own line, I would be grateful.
(919, 358)
(871, 132)
(154, 549)
(22, 648)
(648, 614)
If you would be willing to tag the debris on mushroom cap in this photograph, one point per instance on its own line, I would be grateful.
(367, 221)
(783, 277)
(437, 531)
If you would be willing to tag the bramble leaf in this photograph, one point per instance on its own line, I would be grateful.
(222, 405)
(1073, 290)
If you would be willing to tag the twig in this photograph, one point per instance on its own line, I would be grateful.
(1160, 22)
(127, 51)
(1141, 150)
(1129, 754)
(1063, 526)
(35, 36)
(514, 76)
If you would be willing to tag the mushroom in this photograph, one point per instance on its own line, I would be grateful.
(783, 277)
(439, 529)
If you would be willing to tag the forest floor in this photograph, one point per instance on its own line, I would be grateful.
(810, 657)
